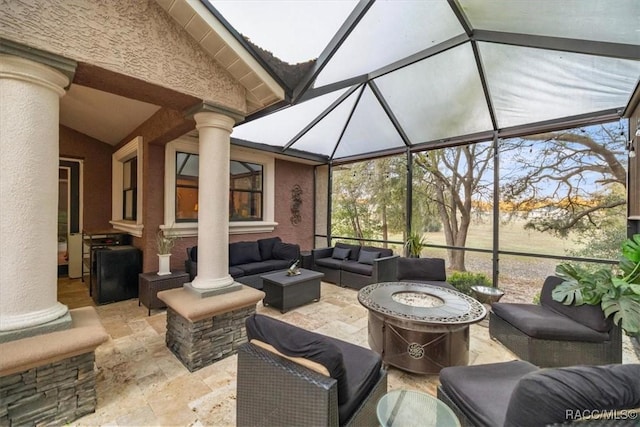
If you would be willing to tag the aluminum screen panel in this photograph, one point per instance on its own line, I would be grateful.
(388, 32)
(601, 20)
(532, 85)
(438, 97)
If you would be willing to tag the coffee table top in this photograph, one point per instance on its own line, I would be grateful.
(281, 278)
(406, 408)
(435, 304)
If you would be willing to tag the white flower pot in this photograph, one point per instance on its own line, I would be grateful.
(164, 264)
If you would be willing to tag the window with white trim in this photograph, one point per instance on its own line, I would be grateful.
(126, 188)
(251, 192)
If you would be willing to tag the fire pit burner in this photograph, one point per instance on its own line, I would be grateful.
(417, 299)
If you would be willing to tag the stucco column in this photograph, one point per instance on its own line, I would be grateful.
(29, 152)
(213, 200)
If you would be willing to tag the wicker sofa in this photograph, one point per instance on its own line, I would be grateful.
(553, 334)
(519, 394)
(355, 266)
(249, 261)
(288, 376)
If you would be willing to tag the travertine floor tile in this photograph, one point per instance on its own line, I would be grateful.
(141, 383)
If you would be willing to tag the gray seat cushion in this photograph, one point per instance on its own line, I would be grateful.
(539, 322)
(236, 272)
(482, 391)
(263, 266)
(330, 263)
(358, 268)
(544, 397)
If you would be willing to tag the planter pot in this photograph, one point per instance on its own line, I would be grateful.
(164, 264)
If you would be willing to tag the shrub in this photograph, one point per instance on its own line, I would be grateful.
(464, 280)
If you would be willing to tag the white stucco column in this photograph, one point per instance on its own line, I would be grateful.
(29, 152)
(213, 200)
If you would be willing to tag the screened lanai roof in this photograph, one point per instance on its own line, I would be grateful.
(424, 73)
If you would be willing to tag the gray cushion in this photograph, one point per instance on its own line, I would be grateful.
(236, 272)
(296, 342)
(482, 391)
(330, 263)
(384, 252)
(286, 251)
(243, 253)
(262, 266)
(358, 268)
(421, 269)
(588, 315)
(340, 253)
(542, 323)
(355, 250)
(367, 257)
(544, 397)
(266, 247)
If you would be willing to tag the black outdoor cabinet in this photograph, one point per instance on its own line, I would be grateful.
(116, 274)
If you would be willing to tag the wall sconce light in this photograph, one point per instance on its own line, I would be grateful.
(632, 149)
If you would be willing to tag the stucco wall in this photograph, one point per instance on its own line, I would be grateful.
(96, 175)
(287, 175)
(134, 38)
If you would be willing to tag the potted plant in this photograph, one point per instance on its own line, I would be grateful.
(414, 244)
(165, 240)
(617, 293)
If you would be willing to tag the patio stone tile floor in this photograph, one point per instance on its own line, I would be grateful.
(141, 383)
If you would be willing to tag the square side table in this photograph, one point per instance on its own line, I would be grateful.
(149, 284)
(285, 292)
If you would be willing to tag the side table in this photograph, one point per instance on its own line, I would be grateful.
(413, 408)
(149, 284)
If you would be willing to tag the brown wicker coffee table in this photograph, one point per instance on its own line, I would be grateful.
(420, 328)
(286, 292)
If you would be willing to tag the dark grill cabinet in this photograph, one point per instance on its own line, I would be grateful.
(116, 274)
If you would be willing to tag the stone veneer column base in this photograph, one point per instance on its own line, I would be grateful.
(52, 394)
(49, 379)
(202, 343)
(201, 331)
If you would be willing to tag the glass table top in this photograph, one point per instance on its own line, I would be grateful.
(407, 408)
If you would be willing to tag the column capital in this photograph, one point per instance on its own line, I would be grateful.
(64, 65)
(16, 68)
(207, 119)
(207, 107)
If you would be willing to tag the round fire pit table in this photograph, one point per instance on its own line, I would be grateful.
(418, 327)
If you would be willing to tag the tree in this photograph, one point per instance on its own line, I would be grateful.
(457, 177)
(576, 177)
(368, 198)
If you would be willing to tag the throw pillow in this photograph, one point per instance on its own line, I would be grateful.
(286, 251)
(266, 247)
(340, 253)
(367, 257)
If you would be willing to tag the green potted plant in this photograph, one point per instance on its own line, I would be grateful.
(165, 240)
(617, 293)
(414, 244)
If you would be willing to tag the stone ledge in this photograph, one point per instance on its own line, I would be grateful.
(194, 308)
(85, 334)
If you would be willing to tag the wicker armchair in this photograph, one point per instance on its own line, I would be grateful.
(552, 334)
(272, 389)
